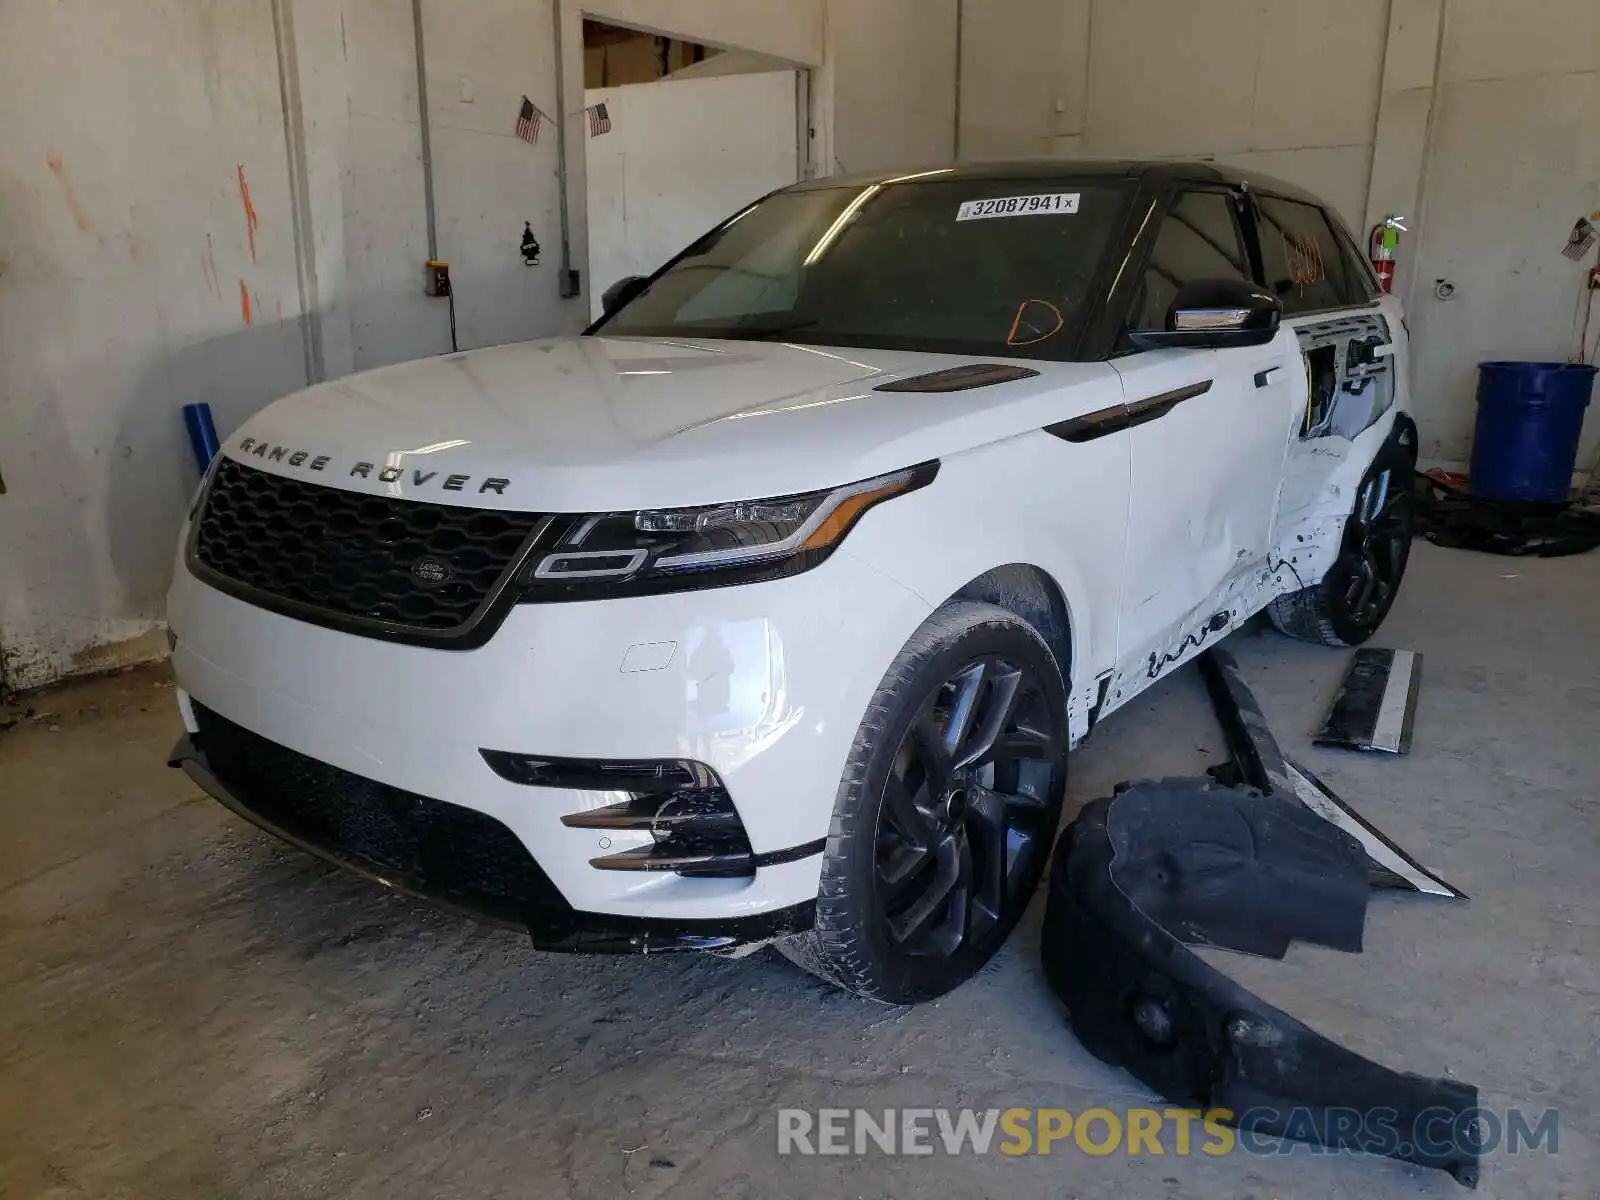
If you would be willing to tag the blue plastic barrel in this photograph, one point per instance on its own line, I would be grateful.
(1530, 419)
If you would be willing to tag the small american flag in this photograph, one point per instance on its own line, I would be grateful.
(1582, 241)
(529, 121)
(599, 119)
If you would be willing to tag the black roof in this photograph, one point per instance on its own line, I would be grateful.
(1075, 169)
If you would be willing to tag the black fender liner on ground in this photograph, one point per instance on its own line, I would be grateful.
(1193, 860)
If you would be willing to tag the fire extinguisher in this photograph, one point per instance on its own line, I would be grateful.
(1385, 241)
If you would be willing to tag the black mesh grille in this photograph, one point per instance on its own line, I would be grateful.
(441, 850)
(406, 564)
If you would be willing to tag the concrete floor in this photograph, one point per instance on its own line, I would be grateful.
(188, 1008)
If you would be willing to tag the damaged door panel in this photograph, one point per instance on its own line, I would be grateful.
(1351, 384)
(1349, 374)
(1307, 541)
(1206, 471)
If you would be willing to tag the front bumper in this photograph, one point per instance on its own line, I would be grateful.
(544, 913)
(765, 684)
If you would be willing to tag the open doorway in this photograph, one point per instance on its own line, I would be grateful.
(680, 136)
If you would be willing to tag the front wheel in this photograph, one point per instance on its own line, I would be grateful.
(946, 811)
(1355, 596)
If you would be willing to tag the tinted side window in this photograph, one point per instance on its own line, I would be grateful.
(1363, 282)
(1305, 264)
(1198, 240)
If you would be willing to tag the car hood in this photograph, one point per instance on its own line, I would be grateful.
(581, 424)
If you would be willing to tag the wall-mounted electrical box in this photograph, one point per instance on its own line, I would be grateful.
(436, 280)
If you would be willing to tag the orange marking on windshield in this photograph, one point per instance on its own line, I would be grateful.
(1016, 324)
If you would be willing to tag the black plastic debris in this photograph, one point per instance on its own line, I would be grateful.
(1124, 897)
(1448, 516)
(1232, 867)
(1390, 867)
(1375, 707)
(1257, 757)
(1258, 761)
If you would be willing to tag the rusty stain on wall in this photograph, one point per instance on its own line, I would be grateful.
(244, 304)
(249, 211)
(60, 171)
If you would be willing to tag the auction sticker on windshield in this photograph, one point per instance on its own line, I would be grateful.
(1019, 206)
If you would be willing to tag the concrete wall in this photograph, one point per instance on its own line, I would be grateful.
(147, 260)
(889, 85)
(219, 200)
(652, 190)
(223, 230)
(1514, 160)
(1287, 87)
(1479, 119)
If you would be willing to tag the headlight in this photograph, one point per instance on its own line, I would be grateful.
(663, 550)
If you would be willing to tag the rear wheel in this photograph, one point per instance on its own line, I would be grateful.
(1355, 596)
(944, 817)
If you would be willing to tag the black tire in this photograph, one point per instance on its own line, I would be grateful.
(923, 880)
(1354, 598)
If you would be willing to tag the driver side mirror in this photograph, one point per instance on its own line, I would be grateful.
(620, 292)
(1215, 314)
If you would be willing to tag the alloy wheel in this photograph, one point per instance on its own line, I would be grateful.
(965, 807)
(1377, 544)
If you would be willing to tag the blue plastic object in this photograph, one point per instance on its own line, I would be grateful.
(202, 434)
(1530, 419)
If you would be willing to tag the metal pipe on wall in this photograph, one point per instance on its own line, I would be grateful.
(294, 138)
(427, 132)
(569, 283)
(961, 20)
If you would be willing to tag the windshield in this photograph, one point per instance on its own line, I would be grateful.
(990, 266)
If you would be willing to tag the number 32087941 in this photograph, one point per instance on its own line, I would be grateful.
(1064, 203)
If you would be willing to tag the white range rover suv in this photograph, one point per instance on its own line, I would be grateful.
(769, 609)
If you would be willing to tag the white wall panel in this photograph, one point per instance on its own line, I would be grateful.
(125, 261)
(1024, 65)
(1318, 69)
(1170, 78)
(1516, 161)
(682, 156)
(1494, 39)
(892, 79)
